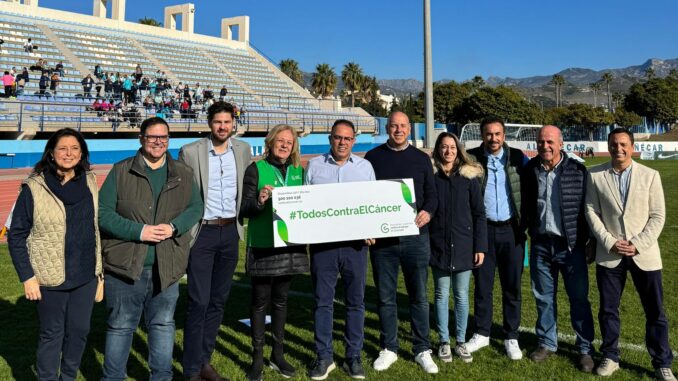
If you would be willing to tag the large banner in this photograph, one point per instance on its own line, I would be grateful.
(343, 212)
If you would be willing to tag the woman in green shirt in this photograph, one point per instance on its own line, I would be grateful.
(271, 269)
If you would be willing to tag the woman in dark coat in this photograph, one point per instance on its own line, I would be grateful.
(271, 269)
(54, 244)
(458, 233)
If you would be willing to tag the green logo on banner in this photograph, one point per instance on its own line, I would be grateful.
(282, 230)
(407, 193)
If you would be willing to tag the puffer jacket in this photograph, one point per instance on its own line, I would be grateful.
(268, 261)
(459, 227)
(572, 200)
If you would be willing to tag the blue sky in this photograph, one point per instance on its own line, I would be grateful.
(516, 38)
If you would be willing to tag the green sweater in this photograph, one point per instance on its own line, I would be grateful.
(131, 230)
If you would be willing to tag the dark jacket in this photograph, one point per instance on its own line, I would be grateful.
(124, 254)
(458, 229)
(514, 167)
(572, 200)
(270, 261)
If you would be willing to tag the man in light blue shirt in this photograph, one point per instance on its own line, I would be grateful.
(348, 259)
(501, 186)
(218, 163)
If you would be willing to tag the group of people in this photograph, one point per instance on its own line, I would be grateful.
(156, 219)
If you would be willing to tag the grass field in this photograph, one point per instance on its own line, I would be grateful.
(18, 335)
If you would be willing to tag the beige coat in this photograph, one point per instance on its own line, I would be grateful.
(641, 221)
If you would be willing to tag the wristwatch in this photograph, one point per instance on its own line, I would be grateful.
(175, 231)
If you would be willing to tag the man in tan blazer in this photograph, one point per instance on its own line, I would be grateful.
(625, 210)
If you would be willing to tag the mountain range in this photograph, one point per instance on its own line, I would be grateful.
(580, 78)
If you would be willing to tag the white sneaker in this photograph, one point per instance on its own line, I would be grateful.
(445, 352)
(385, 360)
(426, 362)
(477, 341)
(513, 349)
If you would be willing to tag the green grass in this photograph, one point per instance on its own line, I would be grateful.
(18, 319)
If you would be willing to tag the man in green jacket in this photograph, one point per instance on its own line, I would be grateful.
(147, 206)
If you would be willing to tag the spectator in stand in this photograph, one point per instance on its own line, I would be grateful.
(28, 46)
(87, 84)
(98, 72)
(108, 88)
(54, 83)
(13, 72)
(117, 89)
(152, 87)
(143, 87)
(222, 93)
(187, 91)
(39, 65)
(138, 73)
(44, 83)
(163, 76)
(158, 75)
(197, 93)
(133, 92)
(208, 94)
(126, 88)
(98, 85)
(184, 108)
(60, 68)
(148, 103)
(96, 106)
(105, 105)
(8, 82)
(21, 80)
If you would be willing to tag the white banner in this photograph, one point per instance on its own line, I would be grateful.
(343, 212)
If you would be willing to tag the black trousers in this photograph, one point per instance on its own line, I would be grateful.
(211, 264)
(269, 291)
(64, 325)
(507, 256)
(649, 287)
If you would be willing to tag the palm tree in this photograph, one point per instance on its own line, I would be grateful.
(595, 88)
(607, 80)
(150, 21)
(324, 80)
(558, 81)
(291, 68)
(352, 75)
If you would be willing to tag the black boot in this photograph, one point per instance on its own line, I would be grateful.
(278, 318)
(256, 370)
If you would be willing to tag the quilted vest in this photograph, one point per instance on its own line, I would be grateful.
(47, 241)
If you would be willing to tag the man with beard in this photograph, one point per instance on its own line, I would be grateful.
(219, 163)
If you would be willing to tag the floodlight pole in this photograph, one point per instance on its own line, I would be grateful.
(428, 75)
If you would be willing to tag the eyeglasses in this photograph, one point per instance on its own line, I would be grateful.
(338, 138)
(156, 138)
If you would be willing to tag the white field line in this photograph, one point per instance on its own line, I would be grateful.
(401, 310)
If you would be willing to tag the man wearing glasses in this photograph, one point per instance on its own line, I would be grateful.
(219, 162)
(147, 206)
(348, 259)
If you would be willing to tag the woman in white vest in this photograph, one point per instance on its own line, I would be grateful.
(54, 244)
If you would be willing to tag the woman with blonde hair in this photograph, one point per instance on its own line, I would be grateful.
(271, 269)
(458, 234)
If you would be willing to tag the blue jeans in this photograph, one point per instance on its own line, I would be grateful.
(459, 281)
(413, 254)
(125, 301)
(544, 273)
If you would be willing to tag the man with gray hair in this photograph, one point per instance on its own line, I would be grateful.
(554, 193)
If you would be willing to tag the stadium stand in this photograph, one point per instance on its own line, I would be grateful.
(262, 93)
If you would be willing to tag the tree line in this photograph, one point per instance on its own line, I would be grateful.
(463, 102)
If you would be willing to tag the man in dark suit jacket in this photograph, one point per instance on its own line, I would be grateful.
(218, 163)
